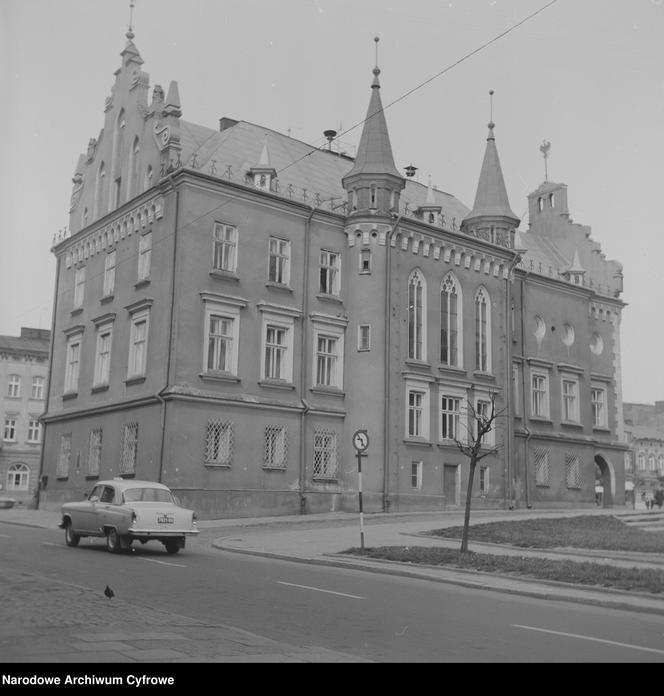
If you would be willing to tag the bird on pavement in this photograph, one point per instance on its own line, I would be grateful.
(109, 592)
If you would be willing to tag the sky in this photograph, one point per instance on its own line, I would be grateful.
(586, 75)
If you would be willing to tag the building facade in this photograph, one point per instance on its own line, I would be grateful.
(232, 304)
(644, 463)
(23, 380)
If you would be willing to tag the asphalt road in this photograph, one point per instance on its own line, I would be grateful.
(373, 616)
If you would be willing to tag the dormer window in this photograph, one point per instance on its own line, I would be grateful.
(262, 181)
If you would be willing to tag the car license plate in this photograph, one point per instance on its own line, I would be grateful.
(165, 518)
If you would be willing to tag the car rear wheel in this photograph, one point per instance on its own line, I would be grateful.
(173, 545)
(113, 540)
(71, 538)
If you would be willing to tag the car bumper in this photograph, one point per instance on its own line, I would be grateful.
(162, 533)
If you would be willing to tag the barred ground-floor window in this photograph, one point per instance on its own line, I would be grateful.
(325, 454)
(573, 471)
(219, 443)
(94, 452)
(276, 446)
(129, 449)
(62, 467)
(542, 468)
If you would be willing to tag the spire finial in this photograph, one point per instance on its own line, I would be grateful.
(491, 123)
(376, 40)
(130, 32)
(544, 149)
(376, 70)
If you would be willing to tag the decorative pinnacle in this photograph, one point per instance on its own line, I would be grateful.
(544, 149)
(491, 123)
(130, 32)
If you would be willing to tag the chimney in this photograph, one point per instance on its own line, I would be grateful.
(226, 122)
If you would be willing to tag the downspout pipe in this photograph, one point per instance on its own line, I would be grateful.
(524, 394)
(48, 385)
(304, 361)
(509, 441)
(388, 335)
(170, 334)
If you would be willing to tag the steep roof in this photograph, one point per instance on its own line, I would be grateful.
(16, 344)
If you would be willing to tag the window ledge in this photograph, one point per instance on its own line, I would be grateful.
(543, 485)
(31, 398)
(328, 391)
(365, 273)
(278, 286)
(326, 479)
(69, 395)
(541, 419)
(224, 275)
(219, 377)
(13, 398)
(267, 467)
(447, 443)
(216, 465)
(450, 369)
(419, 443)
(418, 364)
(142, 284)
(99, 388)
(484, 375)
(106, 299)
(91, 477)
(62, 478)
(327, 297)
(276, 384)
(139, 379)
(601, 429)
(572, 424)
(10, 442)
(75, 312)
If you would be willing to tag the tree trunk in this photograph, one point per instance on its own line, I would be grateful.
(469, 495)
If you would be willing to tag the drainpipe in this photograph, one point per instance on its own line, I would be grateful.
(388, 334)
(170, 335)
(508, 387)
(523, 392)
(304, 361)
(48, 380)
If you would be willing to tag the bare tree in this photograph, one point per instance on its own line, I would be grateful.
(481, 421)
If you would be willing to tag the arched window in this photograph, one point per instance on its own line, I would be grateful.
(416, 314)
(18, 477)
(147, 181)
(482, 331)
(132, 184)
(660, 463)
(651, 462)
(540, 328)
(451, 322)
(540, 204)
(552, 200)
(641, 461)
(99, 191)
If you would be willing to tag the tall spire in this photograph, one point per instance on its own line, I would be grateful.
(491, 198)
(374, 153)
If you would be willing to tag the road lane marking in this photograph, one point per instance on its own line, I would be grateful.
(595, 640)
(154, 560)
(318, 589)
(49, 543)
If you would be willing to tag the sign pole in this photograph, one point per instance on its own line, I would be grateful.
(359, 477)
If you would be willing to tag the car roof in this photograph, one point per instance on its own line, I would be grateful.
(123, 484)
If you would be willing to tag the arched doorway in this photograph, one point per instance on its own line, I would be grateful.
(606, 481)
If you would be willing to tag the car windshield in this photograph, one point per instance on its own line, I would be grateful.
(148, 495)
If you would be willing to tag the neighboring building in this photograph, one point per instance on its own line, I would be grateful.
(23, 381)
(232, 305)
(644, 463)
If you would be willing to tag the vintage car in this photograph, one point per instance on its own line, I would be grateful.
(126, 510)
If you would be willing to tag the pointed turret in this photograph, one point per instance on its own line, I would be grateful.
(492, 217)
(576, 271)
(172, 106)
(263, 174)
(374, 183)
(429, 210)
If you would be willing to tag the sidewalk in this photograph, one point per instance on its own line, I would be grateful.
(58, 624)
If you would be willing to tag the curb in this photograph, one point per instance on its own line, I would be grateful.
(410, 572)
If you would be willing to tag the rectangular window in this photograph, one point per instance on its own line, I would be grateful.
(219, 443)
(484, 480)
(103, 356)
(572, 471)
(224, 247)
(450, 416)
(72, 366)
(10, 430)
(62, 469)
(14, 386)
(220, 341)
(326, 361)
(540, 395)
(79, 287)
(542, 470)
(34, 431)
(37, 388)
(129, 448)
(416, 475)
(598, 400)
(325, 455)
(94, 452)
(364, 337)
(138, 340)
(365, 261)
(144, 256)
(279, 261)
(329, 272)
(570, 400)
(415, 405)
(483, 412)
(109, 274)
(275, 351)
(276, 447)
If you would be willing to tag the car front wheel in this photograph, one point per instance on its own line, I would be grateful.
(71, 538)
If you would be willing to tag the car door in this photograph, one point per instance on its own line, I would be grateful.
(84, 517)
(110, 511)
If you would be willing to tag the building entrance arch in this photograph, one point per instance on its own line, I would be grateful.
(608, 480)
